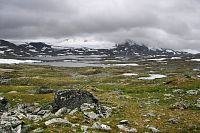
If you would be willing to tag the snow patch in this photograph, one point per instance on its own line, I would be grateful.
(158, 59)
(195, 59)
(15, 61)
(153, 76)
(129, 74)
(176, 58)
(131, 64)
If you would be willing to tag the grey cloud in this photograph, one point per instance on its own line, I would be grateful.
(171, 23)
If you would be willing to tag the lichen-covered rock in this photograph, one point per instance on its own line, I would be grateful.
(72, 99)
(178, 91)
(38, 130)
(98, 125)
(173, 121)
(26, 108)
(9, 120)
(62, 111)
(192, 92)
(127, 129)
(87, 106)
(57, 121)
(35, 118)
(153, 129)
(3, 104)
(180, 105)
(91, 115)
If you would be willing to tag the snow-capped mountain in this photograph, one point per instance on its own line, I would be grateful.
(191, 51)
(126, 48)
(81, 43)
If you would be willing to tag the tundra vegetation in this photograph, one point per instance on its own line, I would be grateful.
(167, 104)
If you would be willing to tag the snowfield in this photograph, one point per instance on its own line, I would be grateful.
(153, 76)
(15, 61)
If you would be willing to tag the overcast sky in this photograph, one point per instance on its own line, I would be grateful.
(164, 23)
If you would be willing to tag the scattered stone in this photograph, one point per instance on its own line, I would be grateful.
(35, 118)
(121, 97)
(38, 130)
(3, 104)
(153, 129)
(49, 115)
(180, 105)
(104, 111)
(26, 108)
(73, 99)
(173, 121)
(151, 114)
(168, 95)
(198, 103)
(12, 92)
(84, 128)
(127, 129)
(5, 80)
(98, 125)
(18, 129)
(20, 116)
(48, 107)
(9, 120)
(192, 92)
(73, 111)
(62, 111)
(44, 91)
(152, 101)
(178, 91)
(43, 112)
(57, 121)
(124, 122)
(147, 120)
(87, 106)
(36, 111)
(75, 125)
(91, 115)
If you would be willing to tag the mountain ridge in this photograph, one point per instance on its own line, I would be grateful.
(126, 48)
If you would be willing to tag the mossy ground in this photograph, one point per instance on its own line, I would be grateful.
(126, 93)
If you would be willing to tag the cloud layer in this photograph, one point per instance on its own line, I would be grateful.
(165, 23)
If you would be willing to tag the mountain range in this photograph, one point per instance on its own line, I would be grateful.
(126, 48)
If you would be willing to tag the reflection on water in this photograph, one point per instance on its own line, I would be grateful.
(71, 61)
(84, 61)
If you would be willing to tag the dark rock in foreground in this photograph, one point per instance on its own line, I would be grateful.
(3, 104)
(72, 99)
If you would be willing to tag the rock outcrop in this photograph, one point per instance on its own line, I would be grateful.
(72, 99)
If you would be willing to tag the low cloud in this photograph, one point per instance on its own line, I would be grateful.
(171, 23)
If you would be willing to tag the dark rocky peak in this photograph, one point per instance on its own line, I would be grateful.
(7, 44)
(130, 48)
(39, 45)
